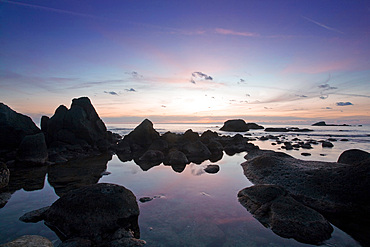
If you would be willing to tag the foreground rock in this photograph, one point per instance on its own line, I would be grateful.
(336, 190)
(4, 175)
(275, 208)
(239, 125)
(353, 156)
(212, 168)
(29, 241)
(33, 149)
(105, 214)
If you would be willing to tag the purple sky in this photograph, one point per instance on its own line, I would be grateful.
(188, 61)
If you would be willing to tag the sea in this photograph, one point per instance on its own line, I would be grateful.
(191, 207)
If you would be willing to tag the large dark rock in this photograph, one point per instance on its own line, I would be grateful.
(353, 156)
(143, 135)
(150, 159)
(33, 149)
(14, 127)
(101, 213)
(235, 125)
(254, 126)
(190, 136)
(4, 175)
(336, 190)
(275, 208)
(212, 168)
(176, 158)
(78, 125)
(196, 152)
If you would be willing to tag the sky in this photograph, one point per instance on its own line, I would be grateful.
(189, 61)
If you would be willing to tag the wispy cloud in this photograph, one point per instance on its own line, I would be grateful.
(111, 93)
(134, 74)
(343, 103)
(322, 25)
(236, 33)
(200, 75)
(130, 90)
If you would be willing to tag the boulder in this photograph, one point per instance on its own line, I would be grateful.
(33, 149)
(321, 123)
(4, 175)
(208, 135)
(150, 159)
(101, 213)
(327, 144)
(29, 241)
(353, 156)
(143, 135)
(176, 158)
(212, 168)
(44, 123)
(275, 208)
(254, 126)
(14, 127)
(196, 152)
(190, 136)
(81, 122)
(235, 125)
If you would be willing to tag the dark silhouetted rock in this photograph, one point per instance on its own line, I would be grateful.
(196, 152)
(100, 213)
(254, 126)
(150, 159)
(29, 241)
(323, 123)
(208, 135)
(14, 127)
(276, 129)
(325, 186)
(4, 175)
(160, 145)
(190, 136)
(353, 156)
(143, 135)
(235, 125)
(212, 169)
(327, 144)
(34, 216)
(275, 208)
(80, 124)
(176, 158)
(145, 199)
(305, 154)
(44, 123)
(33, 149)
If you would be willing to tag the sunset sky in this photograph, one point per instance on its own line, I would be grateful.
(189, 61)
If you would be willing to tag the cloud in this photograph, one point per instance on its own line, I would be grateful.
(326, 86)
(322, 25)
(201, 76)
(301, 96)
(236, 33)
(111, 93)
(248, 95)
(327, 108)
(324, 96)
(130, 90)
(343, 103)
(134, 74)
(192, 81)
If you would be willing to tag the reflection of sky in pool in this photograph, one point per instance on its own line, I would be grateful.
(193, 208)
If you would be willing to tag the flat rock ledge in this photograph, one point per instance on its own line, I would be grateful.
(275, 208)
(29, 241)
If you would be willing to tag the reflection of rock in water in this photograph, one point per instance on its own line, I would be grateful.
(78, 173)
(29, 179)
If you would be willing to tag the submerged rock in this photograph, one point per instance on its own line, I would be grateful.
(212, 169)
(29, 241)
(275, 208)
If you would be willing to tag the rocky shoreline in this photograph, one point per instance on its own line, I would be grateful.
(295, 198)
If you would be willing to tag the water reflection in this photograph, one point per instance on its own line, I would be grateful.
(78, 173)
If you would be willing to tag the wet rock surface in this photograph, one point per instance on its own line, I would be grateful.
(275, 208)
(105, 214)
(334, 189)
(29, 241)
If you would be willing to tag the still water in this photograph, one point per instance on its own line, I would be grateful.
(191, 208)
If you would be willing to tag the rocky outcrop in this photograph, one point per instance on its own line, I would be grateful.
(323, 123)
(29, 241)
(353, 156)
(143, 135)
(338, 191)
(275, 208)
(33, 149)
(14, 127)
(4, 175)
(235, 125)
(104, 214)
(291, 129)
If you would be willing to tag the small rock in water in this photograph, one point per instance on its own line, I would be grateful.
(305, 154)
(105, 173)
(322, 154)
(212, 169)
(327, 144)
(145, 199)
(344, 140)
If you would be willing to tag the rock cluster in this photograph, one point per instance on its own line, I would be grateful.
(96, 215)
(336, 190)
(148, 148)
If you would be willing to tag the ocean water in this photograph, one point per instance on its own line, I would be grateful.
(190, 208)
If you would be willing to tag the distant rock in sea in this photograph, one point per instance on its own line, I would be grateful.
(322, 123)
(239, 125)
